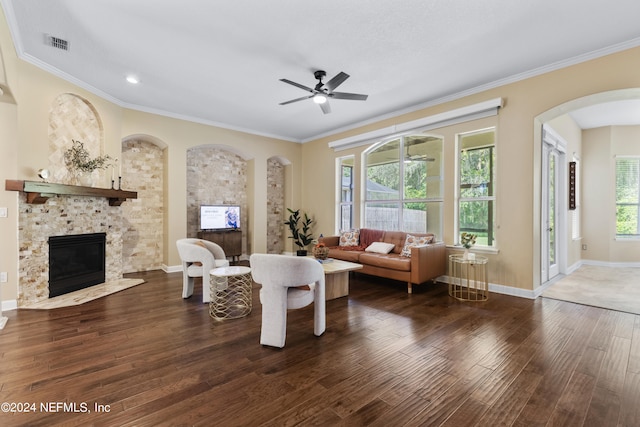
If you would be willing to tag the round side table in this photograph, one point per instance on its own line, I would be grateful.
(231, 292)
(468, 278)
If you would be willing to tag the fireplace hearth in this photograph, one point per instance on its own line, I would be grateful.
(76, 262)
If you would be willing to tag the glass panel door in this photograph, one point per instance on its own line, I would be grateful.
(550, 191)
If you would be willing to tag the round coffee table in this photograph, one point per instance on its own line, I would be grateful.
(231, 292)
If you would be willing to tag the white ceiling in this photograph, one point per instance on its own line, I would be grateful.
(615, 113)
(219, 62)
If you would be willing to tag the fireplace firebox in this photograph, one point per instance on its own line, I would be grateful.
(76, 262)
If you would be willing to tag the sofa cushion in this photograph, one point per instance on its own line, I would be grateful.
(390, 261)
(351, 256)
(380, 247)
(350, 238)
(412, 241)
(395, 237)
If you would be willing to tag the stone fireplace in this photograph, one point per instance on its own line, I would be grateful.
(59, 216)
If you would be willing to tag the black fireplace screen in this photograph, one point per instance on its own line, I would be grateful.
(76, 262)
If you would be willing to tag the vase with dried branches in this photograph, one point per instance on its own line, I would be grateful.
(80, 163)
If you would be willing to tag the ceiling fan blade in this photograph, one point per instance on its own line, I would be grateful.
(296, 100)
(326, 108)
(336, 81)
(303, 87)
(352, 96)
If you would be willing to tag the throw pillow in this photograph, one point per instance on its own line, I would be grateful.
(380, 247)
(412, 241)
(350, 238)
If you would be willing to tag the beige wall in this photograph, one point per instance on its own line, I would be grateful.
(600, 147)
(8, 164)
(518, 155)
(179, 136)
(310, 176)
(24, 150)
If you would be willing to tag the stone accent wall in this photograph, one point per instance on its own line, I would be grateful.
(275, 206)
(216, 177)
(142, 170)
(70, 118)
(60, 216)
(73, 118)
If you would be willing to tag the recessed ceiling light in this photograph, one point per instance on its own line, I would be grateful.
(133, 79)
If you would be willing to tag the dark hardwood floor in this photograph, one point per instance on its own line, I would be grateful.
(387, 359)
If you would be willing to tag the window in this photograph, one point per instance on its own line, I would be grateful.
(403, 189)
(476, 189)
(627, 197)
(345, 204)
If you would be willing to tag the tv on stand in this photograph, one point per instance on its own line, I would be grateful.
(219, 217)
(221, 224)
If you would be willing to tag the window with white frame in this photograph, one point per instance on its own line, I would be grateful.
(345, 185)
(628, 197)
(476, 198)
(404, 184)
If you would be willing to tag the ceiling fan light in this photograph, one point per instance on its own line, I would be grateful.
(319, 98)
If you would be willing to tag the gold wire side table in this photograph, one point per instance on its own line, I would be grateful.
(231, 292)
(468, 278)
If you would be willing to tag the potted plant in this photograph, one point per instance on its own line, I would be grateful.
(79, 162)
(467, 240)
(320, 250)
(300, 227)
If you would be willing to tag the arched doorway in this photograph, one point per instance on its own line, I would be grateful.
(611, 99)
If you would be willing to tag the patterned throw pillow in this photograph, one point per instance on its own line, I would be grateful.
(412, 241)
(350, 238)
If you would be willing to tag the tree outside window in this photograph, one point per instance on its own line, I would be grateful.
(628, 197)
(404, 185)
(476, 196)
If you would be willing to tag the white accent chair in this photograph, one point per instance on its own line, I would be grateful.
(280, 277)
(198, 261)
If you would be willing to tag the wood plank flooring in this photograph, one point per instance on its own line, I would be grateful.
(147, 357)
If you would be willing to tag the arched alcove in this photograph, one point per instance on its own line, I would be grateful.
(143, 218)
(74, 118)
(216, 175)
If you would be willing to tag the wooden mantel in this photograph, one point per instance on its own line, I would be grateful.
(40, 192)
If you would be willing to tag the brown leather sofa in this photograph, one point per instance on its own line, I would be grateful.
(427, 261)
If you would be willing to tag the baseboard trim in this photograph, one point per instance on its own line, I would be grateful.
(171, 268)
(610, 264)
(501, 289)
(514, 292)
(11, 304)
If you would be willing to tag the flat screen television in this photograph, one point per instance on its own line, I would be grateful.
(219, 217)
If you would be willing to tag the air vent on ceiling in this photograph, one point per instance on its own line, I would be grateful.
(56, 42)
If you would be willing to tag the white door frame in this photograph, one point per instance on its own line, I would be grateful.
(553, 144)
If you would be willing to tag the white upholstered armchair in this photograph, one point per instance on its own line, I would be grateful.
(198, 258)
(281, 277)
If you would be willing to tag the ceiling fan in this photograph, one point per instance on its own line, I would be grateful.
(322, 92)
